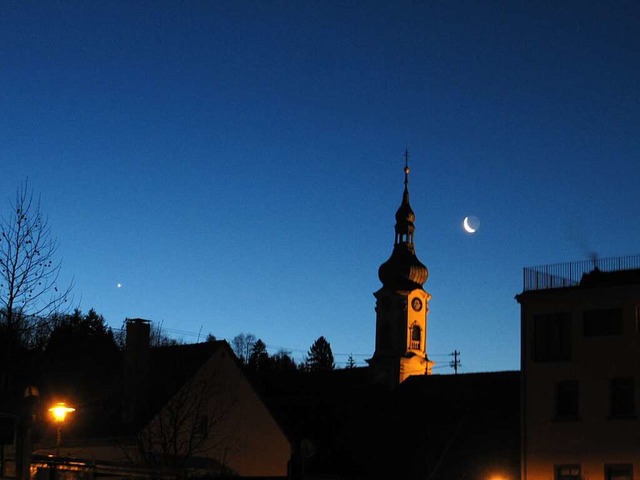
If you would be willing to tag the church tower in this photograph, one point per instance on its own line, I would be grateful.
(401, 305)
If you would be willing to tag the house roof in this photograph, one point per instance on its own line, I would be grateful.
(99, 411)
(170, 367)
(441, 425)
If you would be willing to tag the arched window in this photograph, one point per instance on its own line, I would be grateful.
(416, 337)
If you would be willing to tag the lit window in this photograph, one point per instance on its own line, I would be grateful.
(567, 472)
(567, 399)
(618, 472)
(552, 337)
(623, 402)
(602, 322)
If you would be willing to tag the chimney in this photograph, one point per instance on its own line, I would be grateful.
(136, 371)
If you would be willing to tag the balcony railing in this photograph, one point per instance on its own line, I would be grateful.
(562, 275)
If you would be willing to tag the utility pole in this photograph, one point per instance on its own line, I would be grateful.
(455, 363)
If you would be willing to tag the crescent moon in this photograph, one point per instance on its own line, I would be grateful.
(467, 227)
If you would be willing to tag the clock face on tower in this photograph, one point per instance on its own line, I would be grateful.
(416, 304)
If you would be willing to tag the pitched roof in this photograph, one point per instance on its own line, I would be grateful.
(441, 425)
(172, 366)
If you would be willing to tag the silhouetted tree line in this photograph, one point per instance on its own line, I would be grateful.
(38, 333)
(253, 354)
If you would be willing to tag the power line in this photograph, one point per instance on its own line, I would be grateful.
(197, 335)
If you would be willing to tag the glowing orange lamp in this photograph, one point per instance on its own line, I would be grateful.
(497, 477)
(59, 412)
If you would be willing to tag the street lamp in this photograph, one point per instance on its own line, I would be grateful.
(497, 477)
(59, 412)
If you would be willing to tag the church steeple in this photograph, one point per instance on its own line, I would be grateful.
(403, 270)
(405, 216)
(402, 304)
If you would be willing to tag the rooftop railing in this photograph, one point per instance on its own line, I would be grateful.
(561, 275)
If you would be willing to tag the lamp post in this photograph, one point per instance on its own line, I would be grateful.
(24, 424)
(59, 412)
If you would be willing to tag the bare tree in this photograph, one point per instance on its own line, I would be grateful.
(29, 273)
(242, 345)
(158, 337)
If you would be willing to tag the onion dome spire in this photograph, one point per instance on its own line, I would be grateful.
(405, 216)
(403, 270)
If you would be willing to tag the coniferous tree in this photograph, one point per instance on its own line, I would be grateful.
(283, 362)
(81, 358)
(351, 363)
(78, 336)
(259, 360)
(210, 338)
(320, 356)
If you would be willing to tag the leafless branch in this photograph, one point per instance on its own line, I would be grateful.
(188, 425)
(29, 273)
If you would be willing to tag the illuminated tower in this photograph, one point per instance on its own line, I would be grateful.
(401, 305)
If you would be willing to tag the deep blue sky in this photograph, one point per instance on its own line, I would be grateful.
(236, 166)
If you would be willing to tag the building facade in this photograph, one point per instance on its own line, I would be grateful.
(402, 305)
(580, 334)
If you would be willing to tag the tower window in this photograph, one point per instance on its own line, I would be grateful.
(416, 337)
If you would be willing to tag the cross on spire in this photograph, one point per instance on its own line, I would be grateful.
(406, 167)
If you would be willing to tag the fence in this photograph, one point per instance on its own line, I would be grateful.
(562, 275)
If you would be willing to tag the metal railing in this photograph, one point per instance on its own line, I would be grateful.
(569, 274)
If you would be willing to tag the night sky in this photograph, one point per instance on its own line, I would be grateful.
(236, 166)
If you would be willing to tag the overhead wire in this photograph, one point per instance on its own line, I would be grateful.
(277, 348)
